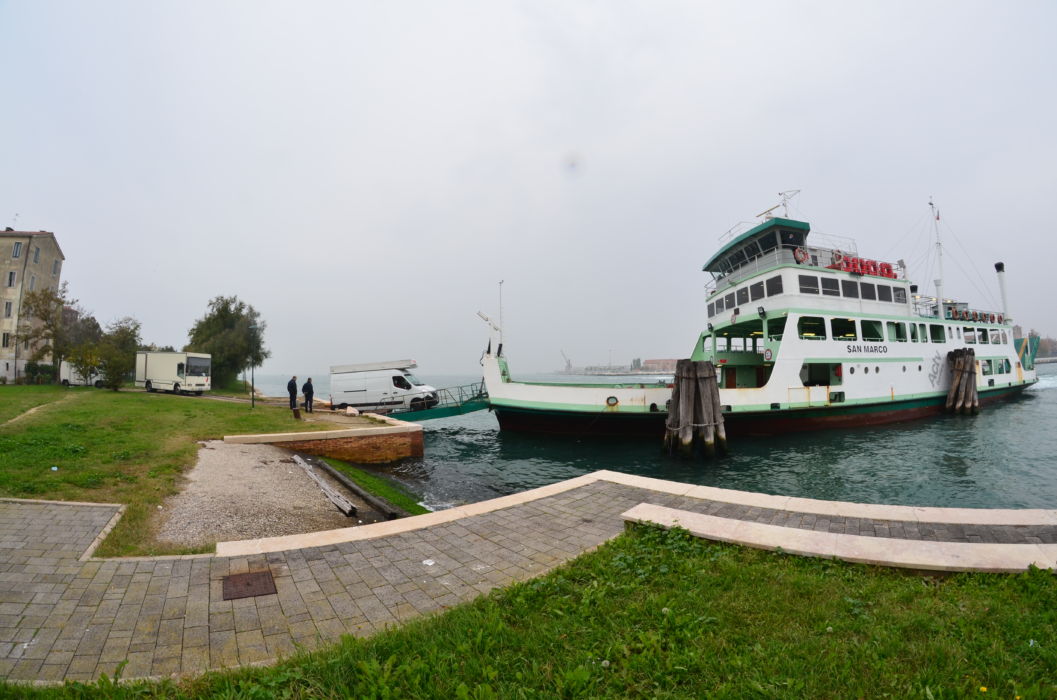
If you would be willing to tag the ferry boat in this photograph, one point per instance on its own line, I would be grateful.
(805, 335)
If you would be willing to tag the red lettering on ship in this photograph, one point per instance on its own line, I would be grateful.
(860, 266)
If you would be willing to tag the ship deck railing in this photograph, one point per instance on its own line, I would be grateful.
(818, 257)
(451, 401)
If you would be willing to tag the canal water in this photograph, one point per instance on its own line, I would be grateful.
(1005, 457)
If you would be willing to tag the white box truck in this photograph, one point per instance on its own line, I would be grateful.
(178, 372)
(379, 386)
(68, 376)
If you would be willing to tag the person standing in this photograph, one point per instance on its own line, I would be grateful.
(291, 387)
(309, 392)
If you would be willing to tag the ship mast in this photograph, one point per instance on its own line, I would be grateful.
(939, 259)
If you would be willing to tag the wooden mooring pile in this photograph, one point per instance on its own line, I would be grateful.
(695, 416)
(962, 396)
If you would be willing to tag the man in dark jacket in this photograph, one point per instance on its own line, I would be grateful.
(291, 386)
(309, 392)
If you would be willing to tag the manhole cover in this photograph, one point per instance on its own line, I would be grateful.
(248, 585)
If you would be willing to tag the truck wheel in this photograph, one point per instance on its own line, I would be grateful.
(176, 388)
(149, 387)
(198, 393)
(98, 383)
(66, 382)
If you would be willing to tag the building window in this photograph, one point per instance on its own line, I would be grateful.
(774, 286)
(17, 250)
(7, 309)
(32, 282)
(55, 268)
(11, 278)
(850, 288)
(808, 284)
(36, 255)
(6, 340)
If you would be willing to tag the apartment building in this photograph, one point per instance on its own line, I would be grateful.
(29, 261)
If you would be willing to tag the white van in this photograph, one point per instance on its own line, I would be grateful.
(379, 386)
(68, 376)
(177, 372)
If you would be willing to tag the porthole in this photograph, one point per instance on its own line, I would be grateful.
(919, 368)
(876, 370)
(851, 370)
(866, 370)
(612, 401)
(904, 368)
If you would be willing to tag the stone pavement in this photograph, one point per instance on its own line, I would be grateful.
(66, 616)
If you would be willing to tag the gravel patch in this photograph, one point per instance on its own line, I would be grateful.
(238, 492)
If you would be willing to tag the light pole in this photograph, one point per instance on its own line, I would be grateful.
(253, 388)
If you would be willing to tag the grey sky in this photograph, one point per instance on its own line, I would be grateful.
(365, 173)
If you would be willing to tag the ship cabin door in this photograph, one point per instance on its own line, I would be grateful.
(740, 352)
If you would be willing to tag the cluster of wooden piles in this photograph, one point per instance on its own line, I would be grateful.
(962, 396)
(695, 416)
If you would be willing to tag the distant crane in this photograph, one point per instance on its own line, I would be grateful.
(568, 362)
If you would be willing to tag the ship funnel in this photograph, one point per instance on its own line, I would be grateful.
(1000, 268)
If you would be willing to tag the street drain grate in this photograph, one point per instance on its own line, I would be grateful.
(248, 585)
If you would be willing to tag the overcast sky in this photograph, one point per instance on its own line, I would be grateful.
(365, 173)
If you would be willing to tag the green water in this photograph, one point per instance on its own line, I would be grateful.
(1006, 457)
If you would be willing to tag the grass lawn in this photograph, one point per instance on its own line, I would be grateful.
(660, 614)
(15, 400)
(126, 447)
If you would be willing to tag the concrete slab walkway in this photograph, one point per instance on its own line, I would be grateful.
(66, 616)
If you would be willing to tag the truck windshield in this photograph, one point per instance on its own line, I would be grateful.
(198, 366)
(413, 379)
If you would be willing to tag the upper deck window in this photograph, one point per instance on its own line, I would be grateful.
(791, 239)
(867, 290)
(830, 286)
(982, 335)
(743, 296)
(728, 301)
(936, 333)
(897, 331)
(884, 292)
(808, 284)
(850, 288)
(756, 290)
(899, 295)
(768, 243)
(711, 310)
(774, 286)
(872, 331)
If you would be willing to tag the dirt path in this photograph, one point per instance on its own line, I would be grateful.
(238, 492)
(25, 414)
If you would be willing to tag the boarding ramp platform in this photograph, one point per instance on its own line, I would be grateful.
(453, 401)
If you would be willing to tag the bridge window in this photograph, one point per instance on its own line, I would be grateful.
(774, 286)
(830, 286)
(756, 290)
(867, 290)
(843, 329)
(808, 284)
(936, 333)
(743, 296)
(899, 295)
(767, 243)
(872, 331)
(849, 288)
(711, 310)
(884, 292)
(811, 328)
(897, 332)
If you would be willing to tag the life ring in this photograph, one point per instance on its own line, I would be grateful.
(965, 315)
(1001, 319)
(976, 315)
(800, 255)
(838, 258)
(992, 318)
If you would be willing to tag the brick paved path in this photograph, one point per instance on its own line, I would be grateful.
(66, 619)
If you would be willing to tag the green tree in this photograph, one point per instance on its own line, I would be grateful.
(117, 351)
(44, 326)
(233, 333)
(84, 359)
